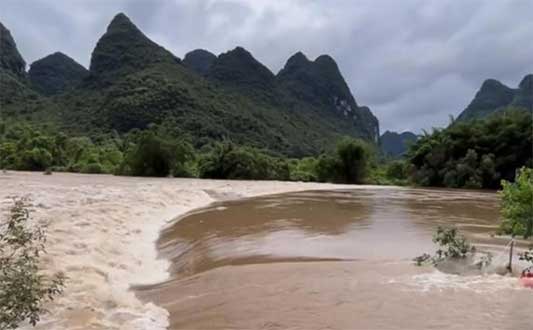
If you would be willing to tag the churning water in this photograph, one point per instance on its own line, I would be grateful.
(335, 260)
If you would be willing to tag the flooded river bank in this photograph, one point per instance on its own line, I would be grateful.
(336, 260)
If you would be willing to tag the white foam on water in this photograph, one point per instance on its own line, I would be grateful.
(102, 234)
(437, 280)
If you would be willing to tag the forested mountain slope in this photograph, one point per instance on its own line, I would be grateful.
(493, 96)
(132, 82)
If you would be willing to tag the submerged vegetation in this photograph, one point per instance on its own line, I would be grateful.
(451, 245)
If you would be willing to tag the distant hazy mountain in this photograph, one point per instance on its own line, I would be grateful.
(395, 144)
(493, 96)
(133, 82)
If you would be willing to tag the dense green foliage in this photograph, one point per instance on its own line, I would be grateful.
(303, 169)
(23, 288)
(154, 153)
(517, 204)
(348, 164)
(389, 172)
(227, 161)
(476, 154)
(23, 147)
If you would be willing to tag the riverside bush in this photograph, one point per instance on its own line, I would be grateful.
(228, 161)
(473, 154)
(24, 289)
(517, 204)
(349, 163)
(153, 153)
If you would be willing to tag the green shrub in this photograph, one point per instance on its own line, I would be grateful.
(392, 173)
(349, 163)
(475, 154)
(23, 288)
(36, 159)
(155, 154)
(327, 168)
(92, 168)
(227, 161)
(517, 204)
(28, 148)
(396, 169)
(303, 169)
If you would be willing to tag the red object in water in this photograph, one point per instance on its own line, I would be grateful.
(527, 281)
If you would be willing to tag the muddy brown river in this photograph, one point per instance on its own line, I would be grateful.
(335, 260)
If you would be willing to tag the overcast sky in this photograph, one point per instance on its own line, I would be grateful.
(413, 62)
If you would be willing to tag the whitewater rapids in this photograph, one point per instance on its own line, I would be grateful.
(102, 231)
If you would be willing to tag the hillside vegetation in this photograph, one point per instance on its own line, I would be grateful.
(493, 97)
(133, 83)
(474, 154)
(140, 110)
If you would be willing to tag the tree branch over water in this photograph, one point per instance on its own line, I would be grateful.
(24, 289)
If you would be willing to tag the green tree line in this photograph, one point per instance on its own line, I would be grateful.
(475, 154)
(157, 151)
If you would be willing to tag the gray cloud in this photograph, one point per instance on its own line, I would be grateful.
(414, 62)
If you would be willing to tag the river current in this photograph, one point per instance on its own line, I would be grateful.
(335, 260)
